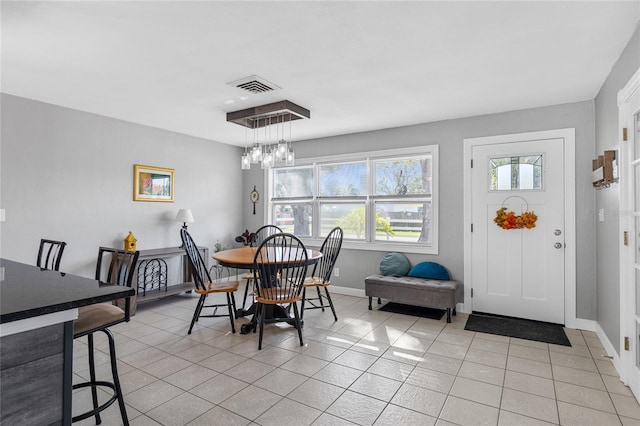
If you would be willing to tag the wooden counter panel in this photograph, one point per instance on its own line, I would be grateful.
(25, 401)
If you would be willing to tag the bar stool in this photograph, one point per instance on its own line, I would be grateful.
(50, 254)
(117, 270)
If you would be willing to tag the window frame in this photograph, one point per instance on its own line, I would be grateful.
(370, 199)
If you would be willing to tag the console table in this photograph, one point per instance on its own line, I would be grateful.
(182, 275)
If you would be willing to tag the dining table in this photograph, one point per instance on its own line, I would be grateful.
(37, 310)
(243, 258)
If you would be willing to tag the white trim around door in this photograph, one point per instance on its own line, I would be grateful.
(568, 135)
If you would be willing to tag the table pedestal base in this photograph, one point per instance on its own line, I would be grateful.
(273, 312)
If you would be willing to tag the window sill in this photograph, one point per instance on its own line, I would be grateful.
(382, 247)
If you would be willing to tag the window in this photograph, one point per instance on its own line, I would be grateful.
(383, 200)
(515, 173)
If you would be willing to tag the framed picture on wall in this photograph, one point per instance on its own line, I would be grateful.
(152, 183)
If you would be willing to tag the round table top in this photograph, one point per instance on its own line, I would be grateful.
(242, 257)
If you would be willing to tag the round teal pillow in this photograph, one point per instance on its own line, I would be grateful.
(430, 271)
(395, 264)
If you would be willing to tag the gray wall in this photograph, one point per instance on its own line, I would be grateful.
(608, 232)
(449, 135)
(68, 175)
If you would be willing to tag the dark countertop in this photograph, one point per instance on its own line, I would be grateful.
(28, 291)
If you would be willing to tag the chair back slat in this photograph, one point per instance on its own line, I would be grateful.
(50, 254)
(280, 266)
(262, 233)
(330, 250)
(117, 267)
(199, 271)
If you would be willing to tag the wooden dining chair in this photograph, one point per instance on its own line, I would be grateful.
(262, 233)
(115, 267)
(279, 267)
(50, 254)
(205, 286)
(258, 237)
(321, 274)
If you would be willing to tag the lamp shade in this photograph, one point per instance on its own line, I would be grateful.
(185, 216)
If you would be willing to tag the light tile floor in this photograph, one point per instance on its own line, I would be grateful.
(369, 367)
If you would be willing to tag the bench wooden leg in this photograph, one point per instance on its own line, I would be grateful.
(449, 314)
(370, 307)
(379, 301)
(454, 312)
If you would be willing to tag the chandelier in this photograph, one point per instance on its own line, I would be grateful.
(269, 146)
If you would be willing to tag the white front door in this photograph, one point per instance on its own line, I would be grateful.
(519, 272)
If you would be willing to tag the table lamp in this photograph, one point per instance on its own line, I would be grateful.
(185, 216)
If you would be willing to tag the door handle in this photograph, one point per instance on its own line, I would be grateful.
(558, 245)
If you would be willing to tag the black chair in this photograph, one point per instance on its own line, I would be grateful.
(321, 274)
(115, 267)
(258, 237)
(279, 267)
(262, 233)
(50, 254)
(205, 286)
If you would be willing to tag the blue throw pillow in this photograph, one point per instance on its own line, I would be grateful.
(429, 270)
(394, 264)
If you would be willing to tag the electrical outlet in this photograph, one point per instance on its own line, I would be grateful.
(336, 272)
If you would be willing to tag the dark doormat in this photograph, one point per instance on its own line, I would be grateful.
(416, 311)
(517, 327)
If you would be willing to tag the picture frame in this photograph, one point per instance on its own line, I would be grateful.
(153, 183)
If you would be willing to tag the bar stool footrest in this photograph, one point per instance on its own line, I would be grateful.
(100, 408)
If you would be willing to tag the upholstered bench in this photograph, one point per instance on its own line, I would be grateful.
(415, 291)
(427, 284)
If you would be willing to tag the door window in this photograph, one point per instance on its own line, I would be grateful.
(515, 173)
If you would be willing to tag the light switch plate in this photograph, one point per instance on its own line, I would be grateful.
(2, 218)
(601, 215)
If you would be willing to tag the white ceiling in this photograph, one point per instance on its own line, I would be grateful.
(357, 66)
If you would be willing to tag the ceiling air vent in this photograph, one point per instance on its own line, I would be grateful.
(254, 84)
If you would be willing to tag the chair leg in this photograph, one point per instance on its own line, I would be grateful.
(298, 324)
(92, 375)
(196, 313)
(204, 300)
(304, 295)
(326, 290)
(116, 378)
(261, 321)
(320, 298)
(246, 292)
(230, 305)
(233, 301)
(93, 383)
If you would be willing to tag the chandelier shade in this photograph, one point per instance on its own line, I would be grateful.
(266, 115)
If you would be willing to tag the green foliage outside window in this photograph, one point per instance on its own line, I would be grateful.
(355, 222)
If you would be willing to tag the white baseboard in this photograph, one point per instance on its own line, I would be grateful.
(584, 324)
(347, 291)
(611, 351)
